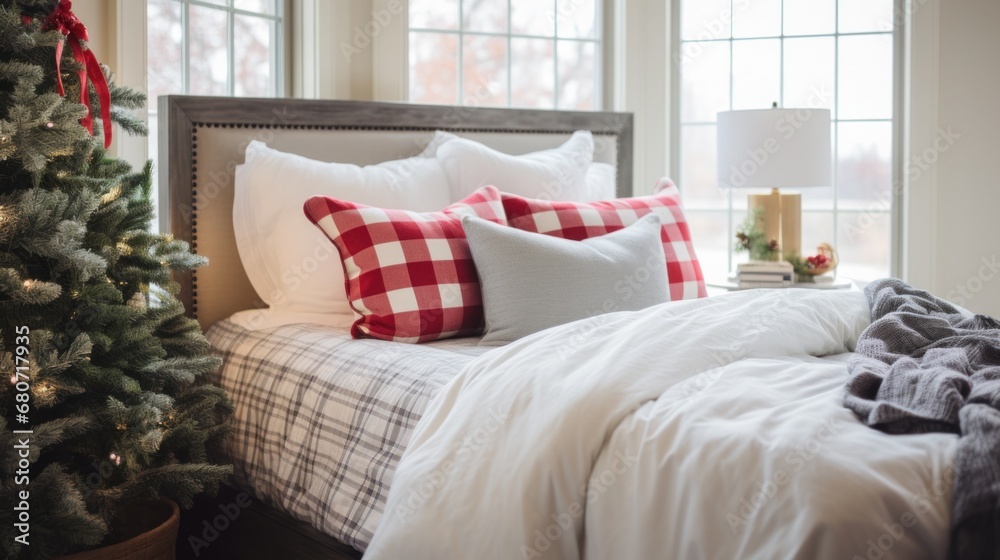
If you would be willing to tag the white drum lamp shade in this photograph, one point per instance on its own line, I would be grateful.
(774, 148)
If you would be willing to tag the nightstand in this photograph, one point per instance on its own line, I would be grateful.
(732, 286)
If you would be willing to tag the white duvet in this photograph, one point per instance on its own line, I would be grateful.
(698, 429)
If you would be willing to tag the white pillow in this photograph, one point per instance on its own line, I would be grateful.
(291, 264)
(555, 174)
(440, 137)
(601, 182)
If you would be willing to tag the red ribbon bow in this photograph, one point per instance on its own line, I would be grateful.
(65, 21)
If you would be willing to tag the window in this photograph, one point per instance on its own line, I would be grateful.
(835, 54)
(213, 47)
(518, 53)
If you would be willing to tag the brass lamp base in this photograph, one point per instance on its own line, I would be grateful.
(780, 219)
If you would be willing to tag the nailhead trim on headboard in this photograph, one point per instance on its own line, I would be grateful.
(194, 217)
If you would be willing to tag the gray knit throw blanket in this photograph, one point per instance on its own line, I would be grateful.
(924, 366)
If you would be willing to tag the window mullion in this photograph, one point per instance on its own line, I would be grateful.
(781, 55)
(555, 54)
(185, 48)
(730, 226)
(280, 49)
(461, 52)
(230, 52)
(836, 119)
(896, 219)
(508, 64)
(598, 54)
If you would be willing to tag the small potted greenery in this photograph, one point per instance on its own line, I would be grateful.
(750, 238)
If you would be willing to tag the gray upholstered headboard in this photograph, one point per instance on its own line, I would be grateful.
(202, 140)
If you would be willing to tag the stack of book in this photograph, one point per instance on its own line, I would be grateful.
(765, 274)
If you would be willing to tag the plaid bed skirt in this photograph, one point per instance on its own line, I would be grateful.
(321, 420)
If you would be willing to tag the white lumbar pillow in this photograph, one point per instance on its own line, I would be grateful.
(291, 264)
(554, 174)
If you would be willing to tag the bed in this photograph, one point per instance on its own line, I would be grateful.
(201, 142)
(705, 428)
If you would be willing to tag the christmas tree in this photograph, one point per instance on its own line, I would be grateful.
(105, 403)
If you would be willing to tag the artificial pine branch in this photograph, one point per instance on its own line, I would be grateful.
(128, 122)
(126, 98)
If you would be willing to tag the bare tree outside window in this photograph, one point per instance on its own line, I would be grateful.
(514, 53)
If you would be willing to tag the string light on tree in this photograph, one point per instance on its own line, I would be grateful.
(112, 194)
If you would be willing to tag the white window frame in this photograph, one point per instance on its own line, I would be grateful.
(278, 56)
(391, 62)
(278, 51)
(896, 121)
(461, 33)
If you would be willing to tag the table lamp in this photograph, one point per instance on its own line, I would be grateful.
(775, 149)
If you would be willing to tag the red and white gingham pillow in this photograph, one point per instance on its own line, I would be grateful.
(409, 275)
(583, 220)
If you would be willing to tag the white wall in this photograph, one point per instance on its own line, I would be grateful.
(953, 230)
(95, 15)
(642, 75)
(333, 58)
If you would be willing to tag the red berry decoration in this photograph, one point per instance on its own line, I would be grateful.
(823, 261)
